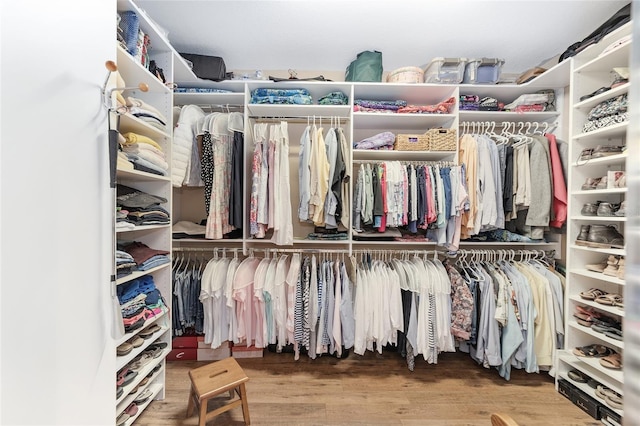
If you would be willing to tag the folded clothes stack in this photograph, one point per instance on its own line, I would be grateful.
(139, 300)
(334, 98)
(139, 208)
(281, 96)
(125, 264)
(144, 153)
(144, 256)
(384, 140)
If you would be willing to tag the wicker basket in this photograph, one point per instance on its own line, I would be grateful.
(442, 139)
(412, 142)
(406, 75)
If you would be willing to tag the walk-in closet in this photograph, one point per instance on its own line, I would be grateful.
(320, 213)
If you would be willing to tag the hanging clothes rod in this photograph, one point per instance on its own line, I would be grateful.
(206, 250)
(217, 106)
(409, 162)
(298, 120)
(300, 250)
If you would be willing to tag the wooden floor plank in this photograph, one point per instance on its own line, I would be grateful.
(374, 390)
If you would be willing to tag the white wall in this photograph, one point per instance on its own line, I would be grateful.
(57, 362)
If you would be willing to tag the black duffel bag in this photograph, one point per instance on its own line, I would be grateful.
(618, 19)
(207, 67)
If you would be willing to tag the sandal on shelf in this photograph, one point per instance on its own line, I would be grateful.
(593, 351)
(613, 361)
(593, 383)
(610, 299)
(603, 392)
(614, 333)
(588, 310)
(614, 402)
(578, 376)
(592, 294)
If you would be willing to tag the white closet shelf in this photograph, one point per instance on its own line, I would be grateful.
(407, 122)
(600, 191)
(613, 251)
(394, 244)
(413, 94)
(130, 123)
(140, 176)
(615, 130)
(598, 276)
(499, 116)
(155, 390)
(137, 274)
(143, 228)
(147, 323)
(300, 111)
(207, 99)
(207, 242)
(126, 399)
(392, 155)
(611, 159)
(600, 336)
(605, 308)
(588, 389)
(589, 103)
(617, 57)
(599, 218)
(136, 73)
(121, 361)
(594, 365)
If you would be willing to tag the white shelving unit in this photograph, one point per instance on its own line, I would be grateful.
(152, 375)
(591, 70)
(188, 201)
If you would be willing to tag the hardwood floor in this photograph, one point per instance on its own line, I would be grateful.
(374, 390)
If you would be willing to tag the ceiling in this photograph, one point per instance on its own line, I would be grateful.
(326, 35)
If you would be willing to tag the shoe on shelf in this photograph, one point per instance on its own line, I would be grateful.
(611, 270)
(602, 183)
(589, 209)
(583, 235)
(622, 211)
(597, 267)
(586, 154)
(606, 151)
(590, 183)
(605, 209)
(620, 273)
(604, 236)
(621, 180)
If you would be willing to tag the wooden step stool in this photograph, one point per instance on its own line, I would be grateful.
(212, 380)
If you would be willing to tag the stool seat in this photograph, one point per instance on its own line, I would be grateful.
(212, 380)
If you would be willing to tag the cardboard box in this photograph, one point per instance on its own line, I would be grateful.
(246, 352)
(189, 354)
(213, 354)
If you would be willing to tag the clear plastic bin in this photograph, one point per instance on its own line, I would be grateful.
(445, 70)
(483, 71)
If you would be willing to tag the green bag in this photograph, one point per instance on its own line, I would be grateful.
(366, 67)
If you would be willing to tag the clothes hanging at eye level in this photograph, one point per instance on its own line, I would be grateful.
(323, 178)
(515, 183)
(208, 152)
(270, 205)
(422, 200)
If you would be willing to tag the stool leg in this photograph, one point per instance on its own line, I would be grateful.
(190, 405)
(245, 405)
(203, 412)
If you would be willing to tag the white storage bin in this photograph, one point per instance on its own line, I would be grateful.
(445, 70)
(483, 71)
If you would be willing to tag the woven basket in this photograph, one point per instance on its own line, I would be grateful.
(406, 75)
(412, 142)
(442, 139)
